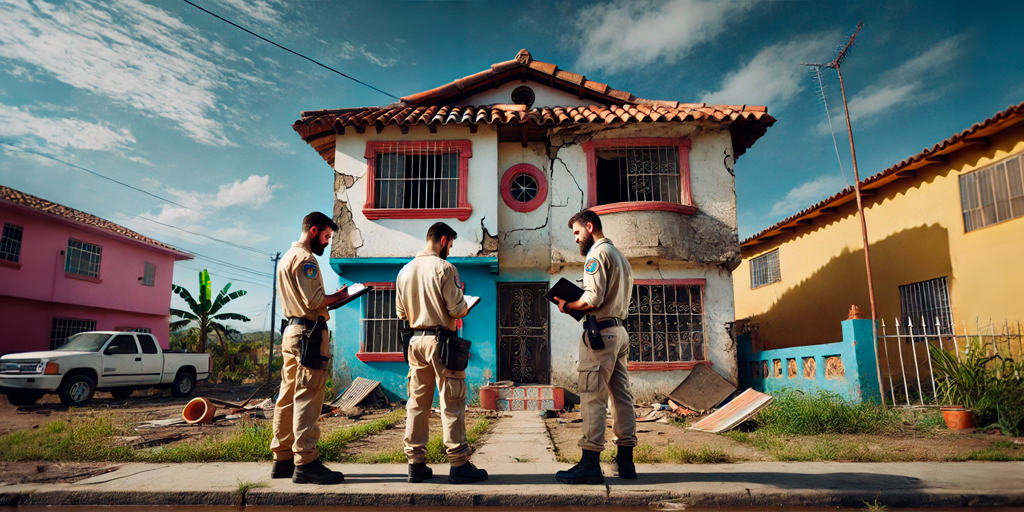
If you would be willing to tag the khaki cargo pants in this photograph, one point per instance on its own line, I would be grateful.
(296, 431)
(603, 372)
(426, 371)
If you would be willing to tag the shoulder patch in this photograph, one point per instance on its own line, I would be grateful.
(458, 283)
(591, 266)
(309, 270)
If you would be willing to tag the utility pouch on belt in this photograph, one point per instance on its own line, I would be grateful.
(406, 340)
(309, 346)
(593, 333)
(454, 350)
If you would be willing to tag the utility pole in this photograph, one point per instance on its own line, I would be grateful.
(836, 64)
(273, 320)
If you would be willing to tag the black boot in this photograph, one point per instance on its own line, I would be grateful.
(624, 463)
(466, 474)
(283, 469)
(316, 473)
(588, 471)
(419, 471)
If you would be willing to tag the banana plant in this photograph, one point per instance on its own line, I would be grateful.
(206, 313)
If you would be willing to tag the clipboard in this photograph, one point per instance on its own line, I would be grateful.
(351, 293)
(569, 292)
(471, 301)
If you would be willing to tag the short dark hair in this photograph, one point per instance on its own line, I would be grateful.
(319, 221)
(440, 230)
(584, 217)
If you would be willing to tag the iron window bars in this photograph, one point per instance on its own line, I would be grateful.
(417, 179)
(637, 173)
(10, 243)
(62, 328)
(380, 326)
(666, 323)
(764, 270)
(924, 303)
(993, 194)
(83, 258)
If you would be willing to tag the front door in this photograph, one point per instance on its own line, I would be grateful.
(524, 351)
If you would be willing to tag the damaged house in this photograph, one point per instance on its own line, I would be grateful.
(506, 156)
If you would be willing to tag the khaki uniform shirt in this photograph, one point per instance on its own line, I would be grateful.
(300, 285)
(429, 293)
(607, 281)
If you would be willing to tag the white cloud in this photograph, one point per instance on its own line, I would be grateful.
(254, 191)
(129, 51)
(806, 194)
(46, 134)
(904, 86)
(775, 75)
(622, 35)
(266, 12)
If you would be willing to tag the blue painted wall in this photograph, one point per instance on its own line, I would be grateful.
(860, 382)
(479, 326)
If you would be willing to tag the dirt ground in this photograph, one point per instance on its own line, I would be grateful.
(51, 472)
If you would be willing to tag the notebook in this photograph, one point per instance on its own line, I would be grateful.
(353, 292)
(569, 292)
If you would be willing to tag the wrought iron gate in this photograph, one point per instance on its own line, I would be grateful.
(524, 351)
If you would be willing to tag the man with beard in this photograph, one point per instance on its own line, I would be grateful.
(303, 301)
(607, 285)
(429, 296)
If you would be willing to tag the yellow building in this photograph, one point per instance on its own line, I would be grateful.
(946, 243)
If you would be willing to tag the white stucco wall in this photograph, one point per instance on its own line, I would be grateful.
(544, 96)
(405, 237)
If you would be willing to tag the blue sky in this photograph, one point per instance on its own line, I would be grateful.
(166, 98)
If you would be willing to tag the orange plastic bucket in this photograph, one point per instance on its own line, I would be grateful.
(198, 410)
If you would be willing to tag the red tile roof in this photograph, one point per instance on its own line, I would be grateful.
(936, 154)
(317, 127)
(9, 195)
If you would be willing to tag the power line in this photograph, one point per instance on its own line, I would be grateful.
(226, 273)
(218, 273)
(360, 82)
(239, 246)
(234, 266)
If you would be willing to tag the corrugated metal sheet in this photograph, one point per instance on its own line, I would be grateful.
(735, 412)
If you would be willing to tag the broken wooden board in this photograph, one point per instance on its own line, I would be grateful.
(735, 412)
(360, 389)
(702, 390)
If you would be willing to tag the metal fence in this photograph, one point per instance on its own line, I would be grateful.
(906, 363)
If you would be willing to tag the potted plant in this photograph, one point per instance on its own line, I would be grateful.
(962, 382)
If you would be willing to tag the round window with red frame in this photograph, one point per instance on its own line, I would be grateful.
(524, 187)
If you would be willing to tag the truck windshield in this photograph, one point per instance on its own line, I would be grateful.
(85, 342)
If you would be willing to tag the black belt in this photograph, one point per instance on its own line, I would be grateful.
(305, 323)
(605, 324)
(429, 330)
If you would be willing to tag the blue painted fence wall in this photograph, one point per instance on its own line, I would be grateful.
(479, 326)
(856, 351)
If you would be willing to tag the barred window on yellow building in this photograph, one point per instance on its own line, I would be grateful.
(993, 194)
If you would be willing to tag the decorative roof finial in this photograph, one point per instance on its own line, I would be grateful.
(524, 57)
(854, 313)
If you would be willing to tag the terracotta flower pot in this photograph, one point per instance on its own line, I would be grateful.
(957, 417)
(198, 410)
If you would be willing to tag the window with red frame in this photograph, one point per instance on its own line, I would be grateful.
(381, 329)
(639, 174)
(666, 324)
(417, 179)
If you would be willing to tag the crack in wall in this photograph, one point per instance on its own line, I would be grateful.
(488, 242)
(725, 161)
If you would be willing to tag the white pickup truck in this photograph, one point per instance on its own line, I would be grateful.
(119, 362)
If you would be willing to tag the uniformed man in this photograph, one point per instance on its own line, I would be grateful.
(429, 297)
(607, 285)
(301, 291)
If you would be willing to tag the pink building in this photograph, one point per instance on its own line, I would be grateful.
(63, 271)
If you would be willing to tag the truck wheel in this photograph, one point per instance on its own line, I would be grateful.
(77, 390)
(19, 398)
(121, 393)
(184, 384)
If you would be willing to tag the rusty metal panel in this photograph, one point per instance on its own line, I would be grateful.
(735, 412)
(702, 390)
(359, 390)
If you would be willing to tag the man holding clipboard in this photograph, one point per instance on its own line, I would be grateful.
(604, 350)
(428, 295)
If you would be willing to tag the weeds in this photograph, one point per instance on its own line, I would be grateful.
(987, 454)
(645, 453)
(875, 507)
(244, 488)
(797, 413)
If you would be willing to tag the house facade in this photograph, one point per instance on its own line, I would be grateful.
(946, 238)
(63, 271)
(506, 156)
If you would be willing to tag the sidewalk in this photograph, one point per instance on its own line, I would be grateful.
(533, 484)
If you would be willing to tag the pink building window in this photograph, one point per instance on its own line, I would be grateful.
(417, 180)
(639, 174)
(666, 325)
(82, 259)
(63, 328)
(381, 330)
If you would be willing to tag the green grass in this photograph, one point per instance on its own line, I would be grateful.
(435, 448)
(988, 454)
(244, 488)
(876, 506)
(645, 453)
(94, 438)
(797, 413)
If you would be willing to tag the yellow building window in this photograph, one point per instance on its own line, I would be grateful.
(993, 194)
(764, 270)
